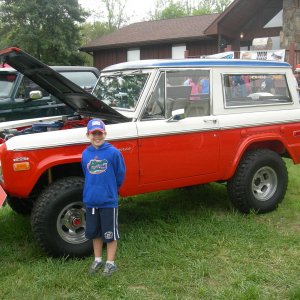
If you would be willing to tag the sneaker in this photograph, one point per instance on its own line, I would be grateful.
(95, 266)
(109, 269)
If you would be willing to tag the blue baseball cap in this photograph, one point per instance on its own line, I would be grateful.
(95, 125)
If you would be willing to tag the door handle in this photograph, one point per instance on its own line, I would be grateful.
(213, 121)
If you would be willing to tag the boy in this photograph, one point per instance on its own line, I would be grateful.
(104, 172)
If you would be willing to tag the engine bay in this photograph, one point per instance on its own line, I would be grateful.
(66, 122)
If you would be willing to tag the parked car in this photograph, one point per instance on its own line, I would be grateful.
(170, 136)
(15, 88)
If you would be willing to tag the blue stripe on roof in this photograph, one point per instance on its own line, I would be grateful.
(228, 63)
(196, 63)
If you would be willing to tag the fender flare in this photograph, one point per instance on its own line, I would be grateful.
(247, 143)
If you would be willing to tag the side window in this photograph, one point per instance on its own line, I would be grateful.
(190, 90)
(156, 106)
(21, 93)
(180, 89)
(26, 86)
(255, 89)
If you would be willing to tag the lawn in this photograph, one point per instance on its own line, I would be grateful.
(178, 244)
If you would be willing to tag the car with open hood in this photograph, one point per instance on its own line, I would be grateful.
(177, 123)
(18, 93)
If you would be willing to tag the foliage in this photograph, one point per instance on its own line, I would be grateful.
(173, 10)
(210, 6)
(91, 31)
(116, 16)
(166, 9)
(178, 244)
(48, 30)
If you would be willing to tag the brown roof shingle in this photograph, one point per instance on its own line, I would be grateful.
(148, 32)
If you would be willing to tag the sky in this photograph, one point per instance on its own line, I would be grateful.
(137, 10)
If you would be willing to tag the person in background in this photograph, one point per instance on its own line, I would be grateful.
(268, 85)
(104, 171)
(204, 82)
(196, 87)
(238, 84)
(296, 77)
(247, 82)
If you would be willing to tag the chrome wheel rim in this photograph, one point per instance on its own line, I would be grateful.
(264, 183)
(71, 223)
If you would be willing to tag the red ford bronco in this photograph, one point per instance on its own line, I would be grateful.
(177, 123)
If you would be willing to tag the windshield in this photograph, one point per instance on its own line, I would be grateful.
(6, 84)
(121, 90)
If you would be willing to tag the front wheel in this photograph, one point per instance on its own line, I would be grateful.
(259, 183)
(21, 206)
(58, 219)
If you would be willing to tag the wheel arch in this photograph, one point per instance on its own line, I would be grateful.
(260, 181)
(275, 144)
(44, 165)
(55, 172)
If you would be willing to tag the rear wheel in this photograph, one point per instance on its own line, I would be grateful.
(259, 183)
(58, 219)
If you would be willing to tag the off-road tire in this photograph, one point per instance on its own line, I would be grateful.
(20, 205)
(259, 183)
(58, 219)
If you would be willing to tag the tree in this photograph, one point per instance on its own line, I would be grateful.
(116, 16)
(91, 31)
(210, 6)
(173, 10)
(166, 9)
(48, 30)
(221, 5)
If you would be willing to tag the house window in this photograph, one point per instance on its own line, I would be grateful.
(178, 51)
(133, 54)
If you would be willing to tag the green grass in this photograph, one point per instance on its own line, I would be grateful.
(177, 244)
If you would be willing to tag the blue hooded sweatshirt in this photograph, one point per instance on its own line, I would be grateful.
(104, 172)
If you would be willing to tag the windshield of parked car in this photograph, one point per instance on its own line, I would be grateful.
(6, 84)
(121, 90)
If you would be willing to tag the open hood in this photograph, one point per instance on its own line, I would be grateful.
(59, 86)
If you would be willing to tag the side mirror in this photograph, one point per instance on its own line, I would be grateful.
(35, 95)
(177, 115)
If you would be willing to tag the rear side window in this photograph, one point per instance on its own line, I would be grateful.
(255, 89)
